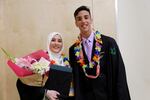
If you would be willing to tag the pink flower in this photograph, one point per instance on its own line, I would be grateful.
(23, 63)
(31, 60)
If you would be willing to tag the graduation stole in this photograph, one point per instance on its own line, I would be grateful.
(95, 62)
(65, 60)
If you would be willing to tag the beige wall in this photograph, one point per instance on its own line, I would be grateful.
(25, 24)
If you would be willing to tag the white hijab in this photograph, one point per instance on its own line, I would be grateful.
(55, 56)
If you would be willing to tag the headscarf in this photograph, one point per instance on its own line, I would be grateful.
(55, 56)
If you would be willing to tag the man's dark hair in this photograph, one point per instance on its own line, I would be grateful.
(80, 9)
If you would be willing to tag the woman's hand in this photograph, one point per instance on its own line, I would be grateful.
(52, 94)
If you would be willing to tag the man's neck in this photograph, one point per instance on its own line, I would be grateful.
(86, 34)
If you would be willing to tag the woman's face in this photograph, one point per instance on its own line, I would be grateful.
(56, 44)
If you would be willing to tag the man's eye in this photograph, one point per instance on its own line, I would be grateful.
(79, 19)
(86, 17)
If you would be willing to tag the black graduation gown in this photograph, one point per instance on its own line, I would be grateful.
(27, 92)
(111, 84)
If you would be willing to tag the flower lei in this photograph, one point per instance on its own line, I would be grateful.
(95, 60)
(65, 60)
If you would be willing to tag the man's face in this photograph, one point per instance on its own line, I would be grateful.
(83, 21)
(56, 44)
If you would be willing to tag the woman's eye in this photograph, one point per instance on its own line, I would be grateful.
(60, 40)
(53, 40)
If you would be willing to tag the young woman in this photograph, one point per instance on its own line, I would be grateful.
(54, 50)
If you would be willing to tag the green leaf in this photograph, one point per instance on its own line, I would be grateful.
(8, 55)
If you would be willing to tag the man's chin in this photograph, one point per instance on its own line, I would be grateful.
(85, 31)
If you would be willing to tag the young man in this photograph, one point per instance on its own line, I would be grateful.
(98, 69)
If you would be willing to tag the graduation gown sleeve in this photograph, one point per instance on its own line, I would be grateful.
(119, 82)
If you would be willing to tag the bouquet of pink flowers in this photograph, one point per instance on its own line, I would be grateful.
(31, 67)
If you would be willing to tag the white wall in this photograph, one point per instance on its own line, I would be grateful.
(133, 23)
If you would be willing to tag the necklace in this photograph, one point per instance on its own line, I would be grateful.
(95, 59)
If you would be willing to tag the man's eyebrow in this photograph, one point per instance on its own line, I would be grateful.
(78, 16)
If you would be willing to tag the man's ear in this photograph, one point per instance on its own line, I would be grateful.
(91, 20)
(76, 23)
